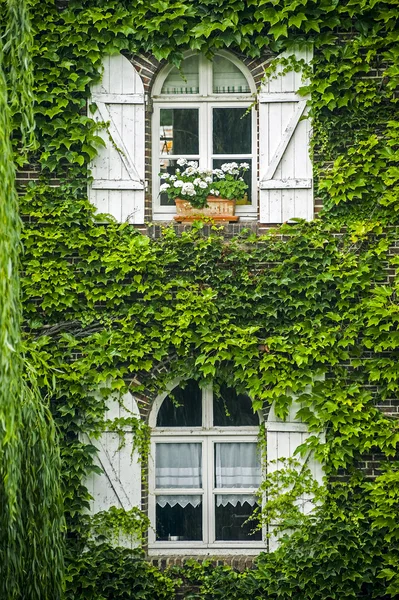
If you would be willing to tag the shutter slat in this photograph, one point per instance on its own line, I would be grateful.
(119, 169)
(282, 440)
(285, 185)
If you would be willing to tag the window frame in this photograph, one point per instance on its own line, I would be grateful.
(205, 101)
(208, 436)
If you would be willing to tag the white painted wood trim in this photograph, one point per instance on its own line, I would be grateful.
(285, 427)
(280, 97)
(113, 184)
(281, 184)
(112, 476)
(287, 135)
(120, 145)
(118, 98)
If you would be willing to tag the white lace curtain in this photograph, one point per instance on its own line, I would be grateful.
(237, 466)
(180, 466)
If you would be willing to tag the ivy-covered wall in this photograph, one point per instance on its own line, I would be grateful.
(108, 308)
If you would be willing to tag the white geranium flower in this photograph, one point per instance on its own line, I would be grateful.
(204, 171)
(181, 162)
(178, 184)
(172, 178)
(188, 189)
(225, 167)
(164, 187)
(165, 176)
(208, 179)
(203, 184)
(190, 171)
(244, 165)
(197, 181)
(193, 163)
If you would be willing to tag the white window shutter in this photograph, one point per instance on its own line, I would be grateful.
(119, 168)
(285, 183)
(282, 439)
(119, 484)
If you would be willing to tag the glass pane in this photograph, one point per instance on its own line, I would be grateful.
(231, 514)
(177, 523)
(233, 410)
(178, 465)
(237, 465)
(232, 131)
(182, 408)
(167, 166)
(178, 131)
(227, 78)
(184, 81)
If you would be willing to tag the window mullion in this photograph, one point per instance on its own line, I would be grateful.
(203, 135)
(210, 496)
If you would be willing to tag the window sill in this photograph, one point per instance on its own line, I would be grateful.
(212, 550)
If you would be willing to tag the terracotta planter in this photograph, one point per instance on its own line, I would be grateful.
(218, 209)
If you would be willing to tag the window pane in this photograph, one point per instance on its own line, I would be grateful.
(227, 78)
(232, 131)
(167, 166)
(178, 465)
(231, 516)
(183, 408)
(178, 131)
(184, 81)
(233, 410)
(178, 523)
(237, 465)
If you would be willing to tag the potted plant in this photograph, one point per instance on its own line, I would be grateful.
(200, 192)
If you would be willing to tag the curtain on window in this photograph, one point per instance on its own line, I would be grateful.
(178, 466)
(237, 466)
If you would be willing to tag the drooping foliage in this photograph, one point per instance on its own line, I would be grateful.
(107, 307)
(31, 557)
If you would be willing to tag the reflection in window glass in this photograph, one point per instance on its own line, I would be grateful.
(178, 131)
(233, 518)
(185, 80)
(233, 410)
(227, 78)
(232, 131)
(179, 521)
(183, 408)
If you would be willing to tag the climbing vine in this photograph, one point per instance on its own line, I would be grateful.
(107, 308)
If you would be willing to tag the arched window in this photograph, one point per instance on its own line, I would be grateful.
(204, 112)
(204, 471)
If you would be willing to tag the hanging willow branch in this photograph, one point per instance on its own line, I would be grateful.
(31, 557)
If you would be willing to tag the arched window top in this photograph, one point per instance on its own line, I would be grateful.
(223, 75)
(187, 405)
(182, 407)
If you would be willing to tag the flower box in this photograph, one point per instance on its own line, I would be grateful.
(217, 209)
